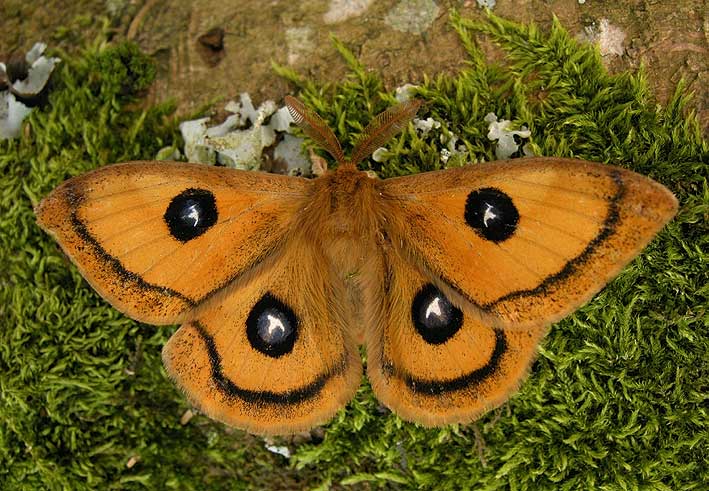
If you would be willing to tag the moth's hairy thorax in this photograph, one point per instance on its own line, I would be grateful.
(342, 216)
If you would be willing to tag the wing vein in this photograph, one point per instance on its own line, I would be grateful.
(471, 247)
(498, 178)
(190, 183)
(215, 241)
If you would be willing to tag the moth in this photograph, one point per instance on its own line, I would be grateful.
(448, 278)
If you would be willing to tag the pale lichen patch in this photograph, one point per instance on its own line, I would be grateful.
(414, 16)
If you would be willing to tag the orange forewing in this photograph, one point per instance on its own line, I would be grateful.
(579, 224)
(450, 278)
(111, 222)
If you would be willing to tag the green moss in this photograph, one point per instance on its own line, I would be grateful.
(616, 400)
(122, 69)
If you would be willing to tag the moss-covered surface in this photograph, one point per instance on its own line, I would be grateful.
(616, 400)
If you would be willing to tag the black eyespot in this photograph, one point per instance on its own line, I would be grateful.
(191, 213)
(272, 327)
(435, 318)
(491, 213)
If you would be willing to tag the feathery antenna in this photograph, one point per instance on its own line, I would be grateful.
(383, 127)
(315, 127)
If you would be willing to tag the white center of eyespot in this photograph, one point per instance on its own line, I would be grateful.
(193, 214)
(275, 326)
(489, 215)
(434, 308)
